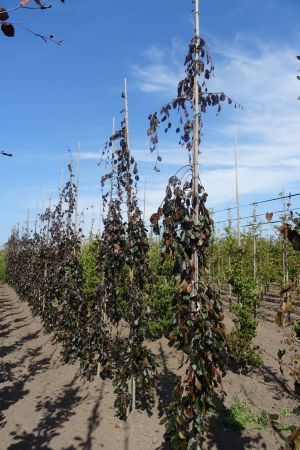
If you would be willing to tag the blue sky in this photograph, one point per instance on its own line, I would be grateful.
(54, 97)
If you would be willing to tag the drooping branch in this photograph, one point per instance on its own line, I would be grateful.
(183, 103)
(8, 28)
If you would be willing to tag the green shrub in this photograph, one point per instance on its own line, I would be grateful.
(90, 266)
(2, 266)
(162, 292)
(240, 340)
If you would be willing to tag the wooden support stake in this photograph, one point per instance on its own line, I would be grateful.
(77, 187)
(129, 193)
(112, 162)
(254, 257)
(145, 192)
(237, 191)
(195, 161)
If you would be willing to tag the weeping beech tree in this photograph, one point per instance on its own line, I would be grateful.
(44, 269)
(126, 272)
(86, 323)
(186, 227)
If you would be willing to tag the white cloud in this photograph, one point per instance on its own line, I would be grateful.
(162, 69)
(156, 78)
(90, 155)
(264, 81)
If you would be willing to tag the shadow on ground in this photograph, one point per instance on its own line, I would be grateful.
(222, 438)
(56, 412)
(166, 380)
(16, 391)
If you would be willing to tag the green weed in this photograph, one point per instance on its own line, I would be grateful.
(239, 415)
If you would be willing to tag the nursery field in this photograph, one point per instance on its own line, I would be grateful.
(46, 404)
(176, 328)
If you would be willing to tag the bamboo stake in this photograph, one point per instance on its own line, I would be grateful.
(27, 222)
(112, 162)
(110, 197)
(237, 191)
(254, 256)
(254, 244)
(230, 287)
(69, 218)
(62, 179)
(127, 142)
(44, 200)
(77, 186)
(46, 268)
(229, 256)
(133, 382)
(145, 191)
(100, 215)
(93, 218)
(48, 222)
(36, 218)
(195, 165)
(285, 250)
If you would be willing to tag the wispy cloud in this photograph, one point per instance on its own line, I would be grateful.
(90, 155)
(161, 69)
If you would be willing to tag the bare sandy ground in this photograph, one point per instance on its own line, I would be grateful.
(46, 405)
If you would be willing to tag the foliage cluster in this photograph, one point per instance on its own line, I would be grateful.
(269, 259)
(240, 415)
(162, 292)
(89, 261)
(2, 266)
(8, 28)
(250, 275)
(240, 339)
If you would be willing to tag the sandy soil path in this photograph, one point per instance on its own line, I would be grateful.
(46, 405)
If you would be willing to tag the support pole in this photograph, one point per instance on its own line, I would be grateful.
(129, 193)
(254, 244)
(237, 191)
(112, 162)
(77, 186)
(44, 200)
(36, 218)
(195, 165)
(126, 112)
(62, 179)
(229, 254)
(127, 141)
(145, 193)
(27, 222)
(254, 257)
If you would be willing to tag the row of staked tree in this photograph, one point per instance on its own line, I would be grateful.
(45, 269)
(105, 324)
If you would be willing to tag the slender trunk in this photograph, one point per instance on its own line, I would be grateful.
(195, 166)
(77, 187)
(237, 191)
(254, 261)
(129, 199)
